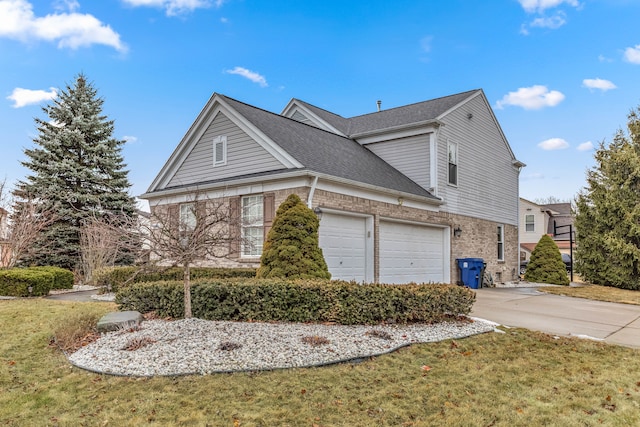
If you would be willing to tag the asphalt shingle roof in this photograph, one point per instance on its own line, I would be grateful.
(393, 117)
(327, 153)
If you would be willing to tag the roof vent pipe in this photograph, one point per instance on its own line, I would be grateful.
(379, 103)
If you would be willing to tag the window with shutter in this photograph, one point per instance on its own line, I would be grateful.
(252, 223)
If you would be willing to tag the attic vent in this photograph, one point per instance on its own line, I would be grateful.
(379, 104)
(219, 151)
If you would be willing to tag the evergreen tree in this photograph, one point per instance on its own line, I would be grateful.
(291, 249)
(77, 170)
(545, 265)
(608, 213)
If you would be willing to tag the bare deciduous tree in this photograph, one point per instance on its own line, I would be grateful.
(200, 230)
(104, 242)
(25, 223)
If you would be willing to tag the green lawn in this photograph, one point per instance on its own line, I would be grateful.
(496, 379)
(596, 292)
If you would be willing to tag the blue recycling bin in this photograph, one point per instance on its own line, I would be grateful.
(471, 271)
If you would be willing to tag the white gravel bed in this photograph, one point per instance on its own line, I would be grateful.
(194, 346)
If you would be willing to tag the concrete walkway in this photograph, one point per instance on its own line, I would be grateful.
(560, 315)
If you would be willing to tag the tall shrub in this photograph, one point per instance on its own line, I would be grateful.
(291, 249)
(607, 218)
(545, 265)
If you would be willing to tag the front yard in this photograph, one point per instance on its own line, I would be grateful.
(500, 379)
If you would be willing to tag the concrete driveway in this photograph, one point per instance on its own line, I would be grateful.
(559, 315)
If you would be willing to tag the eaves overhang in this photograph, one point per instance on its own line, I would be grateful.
(404, 130)
(298, 173)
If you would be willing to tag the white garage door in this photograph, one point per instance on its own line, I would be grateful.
(343, 240)
(412, 253)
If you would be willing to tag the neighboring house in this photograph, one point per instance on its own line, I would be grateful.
(401, 193)
(536, 220)
(560, 213)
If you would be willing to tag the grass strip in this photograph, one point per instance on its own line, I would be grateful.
(596, 292)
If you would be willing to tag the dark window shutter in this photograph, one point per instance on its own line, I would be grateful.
(174, 216)
(269, 205)
(234, 227)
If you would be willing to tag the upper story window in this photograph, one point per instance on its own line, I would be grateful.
(220, 150)
(501, 243)
(453, 163)
(529, 223)
(187, 216)
(252, 223)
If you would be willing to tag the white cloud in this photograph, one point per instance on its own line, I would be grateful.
(175, 7)
(554, 144)
(23, 97)
(632, 54)
(130, 139)
(72, 30)
(539, 6)
(601, 84)
(248, 74)
(553, 22)
(425, 43)
(532, 98)
(64, 5)
(585, 146)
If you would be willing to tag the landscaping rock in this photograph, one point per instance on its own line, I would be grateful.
(119, 320)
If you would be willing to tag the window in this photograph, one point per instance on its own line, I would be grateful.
(500, 243)
(453, 163)
(219, 151)
(529, 223)
(252, 221)
(187, 216)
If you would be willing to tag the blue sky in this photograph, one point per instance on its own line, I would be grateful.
(561, 75)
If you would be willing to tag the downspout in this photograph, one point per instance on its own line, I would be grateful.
(433, 153)
(313, 190)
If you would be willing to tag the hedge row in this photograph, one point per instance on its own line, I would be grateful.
(300, 301)
(16, 281)
(118, 277)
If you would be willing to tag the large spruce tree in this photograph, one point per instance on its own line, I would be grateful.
(77, 170)
(608, 212)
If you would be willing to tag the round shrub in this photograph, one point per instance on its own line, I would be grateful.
(545, 265)
(292, 250)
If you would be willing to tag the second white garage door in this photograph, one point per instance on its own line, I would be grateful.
(412, 253)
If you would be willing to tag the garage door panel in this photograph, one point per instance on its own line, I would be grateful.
(411, 253)
(343, 242)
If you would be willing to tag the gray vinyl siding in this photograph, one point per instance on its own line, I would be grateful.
(487, 180)
(409, 155)
(298, 116)
(244, 156)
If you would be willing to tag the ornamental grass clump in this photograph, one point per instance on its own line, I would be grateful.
(291, 249)
(546, 264)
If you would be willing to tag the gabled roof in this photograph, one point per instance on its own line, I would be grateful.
(325, 152)
(414, 113)
(420, 112)
(334, 120)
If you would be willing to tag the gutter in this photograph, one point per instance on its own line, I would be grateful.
(436, 201)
